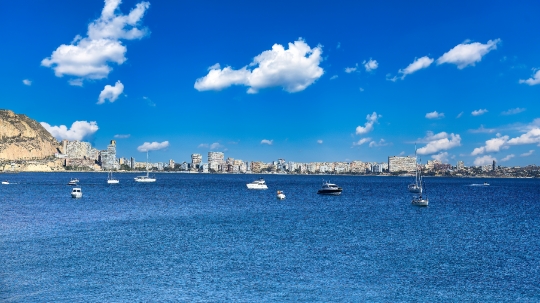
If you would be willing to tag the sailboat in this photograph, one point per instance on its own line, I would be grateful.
(111, 180)
(145, 179)
(421, 200)
(416, 187)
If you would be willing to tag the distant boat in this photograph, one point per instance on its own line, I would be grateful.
(147, 178)
(280, 195)
(257, 184)
(416, 187)
(486, 184)
(5, 182)
(111, 180)
(421, 200)
(73, 181)
(328, 188)
(76, 192)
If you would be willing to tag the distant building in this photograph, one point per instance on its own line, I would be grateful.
(171, 164)
(132, 163)
(108, 157)
(493, 167)
(460, 165)
(397, 164)
(196, 160)
(215, 161)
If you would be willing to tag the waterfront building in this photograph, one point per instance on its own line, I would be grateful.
(398, 164)
(132, 163)
(196, 160)
(171, 164)
(215, 161)
(460, 165)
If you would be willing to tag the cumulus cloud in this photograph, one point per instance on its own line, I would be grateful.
(466, 54)
(76, 82)
(530, 137)
(122, 136)
(90, 57)
(530, 152)
(513, 111)
(484, 160)
(293, 69)
(482, 130)
(78, 130)
(479, 112)
(434, 115)
(535, 79)
(381, 142)
(361, 141)
(111, 93)
(418, 64)
(492, 145)
(439, 142)
(268, 142)
(349, 70)
(147, 146)
(370, 65)
(368, 126)
(334, 77)
(27, 82)
(442, 156)
(508, 158)
(212, 146)
(320, 141)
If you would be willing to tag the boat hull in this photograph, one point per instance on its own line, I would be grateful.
(420, 202)
(415, 189)
(256, 186)
(330, 192)
(148, 180)
(281, 196)
(113, 181)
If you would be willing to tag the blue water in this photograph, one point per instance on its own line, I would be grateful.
(206, 238)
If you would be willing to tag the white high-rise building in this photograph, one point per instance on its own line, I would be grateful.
(215, 161)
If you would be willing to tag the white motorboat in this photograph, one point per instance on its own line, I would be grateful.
(5, 182)
(486, 184)
(330, 189)
(280, 195)
(111, 180)
(76, 192)
(73, 182)
(147, 178)
(257, 184)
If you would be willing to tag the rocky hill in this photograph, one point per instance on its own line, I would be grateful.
(24, 139)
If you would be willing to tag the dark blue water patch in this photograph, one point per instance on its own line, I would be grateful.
(191, 237)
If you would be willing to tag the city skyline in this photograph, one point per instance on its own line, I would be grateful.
(303, 81)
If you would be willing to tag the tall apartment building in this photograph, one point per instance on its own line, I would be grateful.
(460, 165)
(108, 157)
(196, 160)
(171, 164)
(215, 161)
(397, 164)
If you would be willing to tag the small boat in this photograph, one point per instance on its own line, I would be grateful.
(486, 184)
(111, 180)
(416, 187)
(280, 195)
(5, 182)
(73, 181)
(420, 200)
(330, 189)
(257, 184)
(147, 178)
(76, 192)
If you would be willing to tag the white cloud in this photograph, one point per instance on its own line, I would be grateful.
(418, 64)
(479, 112)
(434, 115)
(368, 126)
(27, 82)
(111, 93)
(90, 57)
(535, 79)
(78, 130)
(439, 142)
(293, 69)
(215, 145)
(430, 136)
(530, 137)
(508, 158)
(370, 65)
(513, 111)
(268, 142)
(361, 89)
(442, 156)
(466, 54)
(492, 145)
(334, 77)
(484, 160)
(349, 70)
(482, 130)
(459, 115)
(76, 82)
(122, 136)
(381, 142)
(361, 141)
(530, 152)
(320, 141)
(147, 146)
(203, 145)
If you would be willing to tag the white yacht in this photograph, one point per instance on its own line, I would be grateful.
(76, 192)
(280, 195)
(111, 180)
(329, 189)
(5, 182)
(257, 184)
(147, 178)
(73, 181)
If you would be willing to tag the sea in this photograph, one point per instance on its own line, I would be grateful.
(207, 238)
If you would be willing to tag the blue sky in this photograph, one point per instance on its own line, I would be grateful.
(300, 80)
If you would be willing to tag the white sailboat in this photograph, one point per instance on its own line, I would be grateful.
(147, 178)
(416, 187)
(421, 200)
(111, 180)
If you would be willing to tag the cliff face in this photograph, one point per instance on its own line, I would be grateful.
(22, 138)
